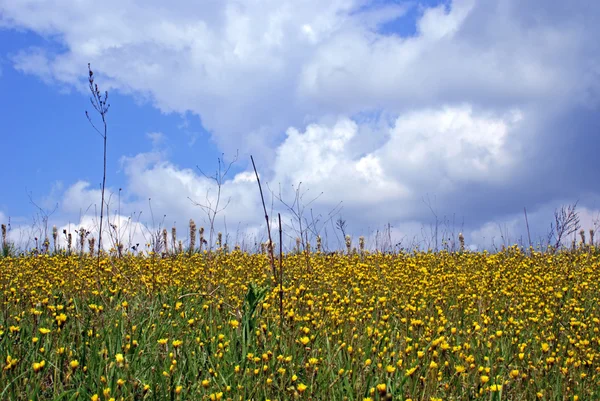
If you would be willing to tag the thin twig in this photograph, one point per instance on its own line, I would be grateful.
(272, 259)
(280, 274)
(527, 224)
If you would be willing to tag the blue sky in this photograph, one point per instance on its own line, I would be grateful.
(401, 110)
(53, 143)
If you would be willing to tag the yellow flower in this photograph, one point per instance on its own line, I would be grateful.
(205, 383)
(10, 362)
(61, 319)
(163, 341)
(433, 365)
(178, 389)
(484, 379)
(44, 331)
(94, 397)
(119, 358)
(74, 364)
(381, 388)
(301, 387)
(390, 369)
(514, 373)
(305, 340)
(545, 347)
(37, 366)
(495, 387)
(177, 343)
(410, 371)
(234, 324)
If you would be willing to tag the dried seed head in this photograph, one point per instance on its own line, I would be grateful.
(91, 245)
(202, 241)
(192, 235)
(165, 239)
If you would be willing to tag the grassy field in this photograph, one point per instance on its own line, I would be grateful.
(419, 326)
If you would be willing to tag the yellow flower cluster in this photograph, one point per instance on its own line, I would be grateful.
(418, 325)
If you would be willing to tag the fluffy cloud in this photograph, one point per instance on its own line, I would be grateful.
(487, 106)
(387, 182)
(252, 70)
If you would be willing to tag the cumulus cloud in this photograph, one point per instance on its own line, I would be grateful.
(487, 106)
(308, 57)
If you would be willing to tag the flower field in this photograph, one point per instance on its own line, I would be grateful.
(419, 326)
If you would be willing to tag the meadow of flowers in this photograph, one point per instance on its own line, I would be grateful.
(370, 326)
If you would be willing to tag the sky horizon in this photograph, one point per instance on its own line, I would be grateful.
(392, 113)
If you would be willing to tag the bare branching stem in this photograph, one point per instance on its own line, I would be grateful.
(100, 104)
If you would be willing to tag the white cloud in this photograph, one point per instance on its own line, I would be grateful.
(382, 185)
(374, 120)
(116, 229)
(80, 199)
(157, 139)
(512, 229)
(454, 144)
(256, 69)
(320, 159)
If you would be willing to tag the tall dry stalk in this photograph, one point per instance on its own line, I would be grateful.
(101, 106)
(271, 258)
